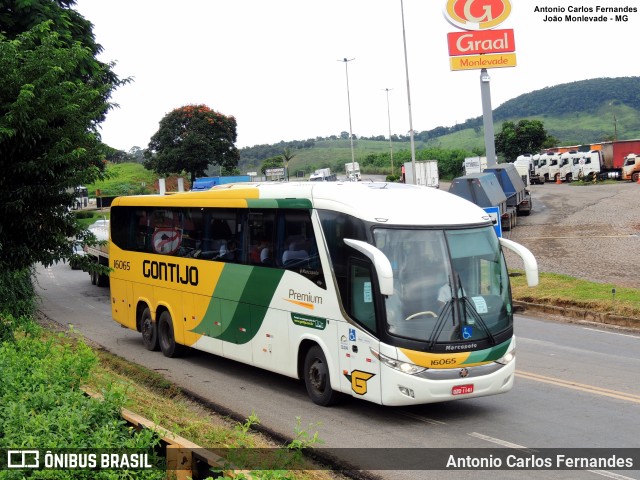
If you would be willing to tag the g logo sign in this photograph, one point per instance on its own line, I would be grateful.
(358, 380)
(477, 14)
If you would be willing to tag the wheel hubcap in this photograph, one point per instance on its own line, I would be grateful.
(316, 376)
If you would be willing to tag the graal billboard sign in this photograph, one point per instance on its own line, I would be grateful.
(479, 46)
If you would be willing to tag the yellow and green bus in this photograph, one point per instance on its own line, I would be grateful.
(393, 293)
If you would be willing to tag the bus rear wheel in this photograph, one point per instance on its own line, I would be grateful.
(317, 378)
(149, 331)
(166, 337)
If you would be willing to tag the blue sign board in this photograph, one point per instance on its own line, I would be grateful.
(494, 213)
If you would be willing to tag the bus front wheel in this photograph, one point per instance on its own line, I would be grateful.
(166, 338)
(149, 331)
(317, 378)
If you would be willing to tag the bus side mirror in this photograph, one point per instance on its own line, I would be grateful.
(530, 262)
(380, 262)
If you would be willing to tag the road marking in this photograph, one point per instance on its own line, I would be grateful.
(604, 473)
(613, 333)
(629, 397)
(497, 441)
(421, 418)
(504, 443)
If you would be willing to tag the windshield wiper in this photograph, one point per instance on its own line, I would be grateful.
(442, 317)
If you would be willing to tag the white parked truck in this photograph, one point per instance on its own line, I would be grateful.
(553, 165)
(426, 173)
(528, 167)
(474, 165)
(566, 165)
(587, 166)
(99, 253)
(631, 167)
(322, 175)
(353, 171)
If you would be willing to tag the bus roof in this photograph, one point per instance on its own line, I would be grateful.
(378, 202)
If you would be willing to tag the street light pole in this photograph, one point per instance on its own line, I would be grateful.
(353, 157)
(389, 117)
(406, 67)
(487, 118)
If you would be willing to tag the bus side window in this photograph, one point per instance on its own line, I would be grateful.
(295, 239)
(144, 230)
(261, 228)
(219, 234)
(362, 304)
(296, 248)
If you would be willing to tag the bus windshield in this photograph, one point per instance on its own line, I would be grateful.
(449, 285)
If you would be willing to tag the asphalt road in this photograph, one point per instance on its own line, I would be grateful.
(576, 387)
(590, 232)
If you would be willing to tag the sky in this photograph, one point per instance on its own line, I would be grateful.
(278, 66)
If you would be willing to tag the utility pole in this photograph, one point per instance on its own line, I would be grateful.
(353, 156)
(487, 118)
(389, 118)
(406, 67)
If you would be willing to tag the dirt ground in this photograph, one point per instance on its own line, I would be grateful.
(590, 232)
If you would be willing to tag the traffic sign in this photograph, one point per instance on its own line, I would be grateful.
(494, 213)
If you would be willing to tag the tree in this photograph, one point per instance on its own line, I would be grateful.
(54, 94)
(286, 158)
(527, 136)
(273, 162)
(190, 139)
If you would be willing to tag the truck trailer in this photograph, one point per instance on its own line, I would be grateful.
(604, 159)
(474, 165)
(352, 170)
(518, 196)
(426, 173)
(484, 190)
(613, 154)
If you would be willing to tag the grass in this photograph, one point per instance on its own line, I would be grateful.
(158, 400)
(88, 217)
(566, 291)
(124, 179)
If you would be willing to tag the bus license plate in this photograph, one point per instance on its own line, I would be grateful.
(462, 389)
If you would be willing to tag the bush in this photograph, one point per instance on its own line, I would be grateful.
(17, 294)
(84, 214)
(43, 406)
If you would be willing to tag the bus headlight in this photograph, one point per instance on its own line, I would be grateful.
(404, 367)
(507, 357)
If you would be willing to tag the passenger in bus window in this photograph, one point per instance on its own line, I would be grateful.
(261, 253)
(228, 252)
(296, 253)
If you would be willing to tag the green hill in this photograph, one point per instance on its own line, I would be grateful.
(577, 112)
